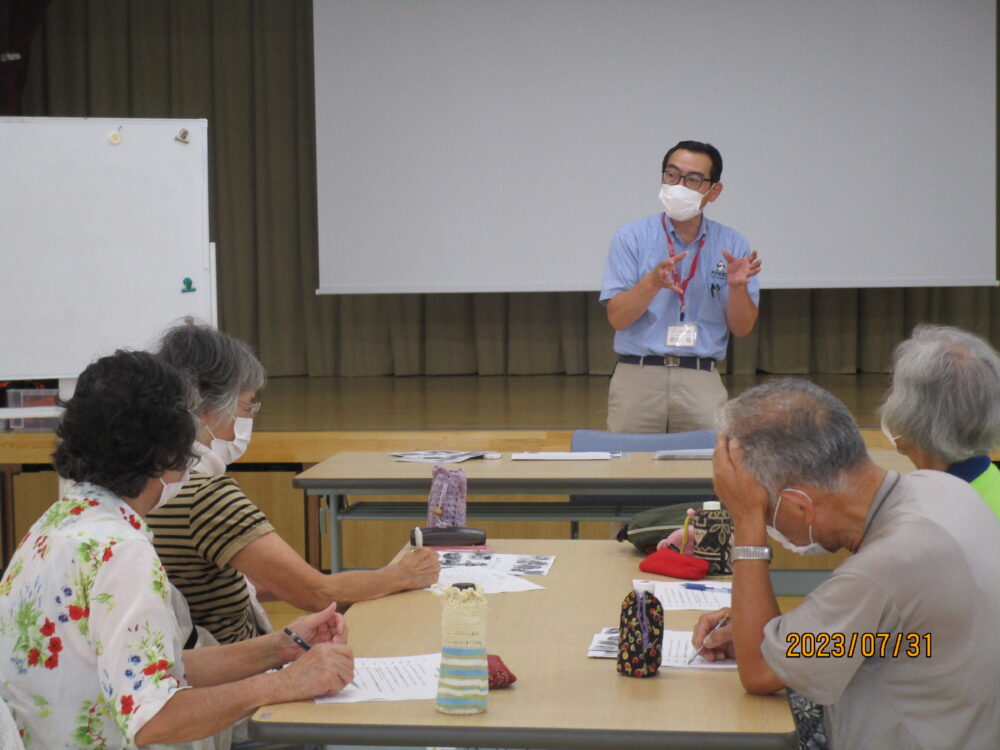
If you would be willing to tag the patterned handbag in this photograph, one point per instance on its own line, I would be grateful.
(712, 526)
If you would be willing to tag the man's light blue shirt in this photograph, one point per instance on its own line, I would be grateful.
(636, 250)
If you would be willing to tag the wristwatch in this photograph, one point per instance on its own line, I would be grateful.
(752, 553)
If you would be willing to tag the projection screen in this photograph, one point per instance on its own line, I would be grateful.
(496, 145)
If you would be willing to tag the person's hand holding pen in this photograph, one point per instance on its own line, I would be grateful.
(713, 636)
(316, 644)
(418, 568)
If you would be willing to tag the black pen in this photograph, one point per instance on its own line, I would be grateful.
(304, 645)
(299, 640)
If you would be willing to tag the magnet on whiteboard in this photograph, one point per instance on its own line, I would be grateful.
(115, 138)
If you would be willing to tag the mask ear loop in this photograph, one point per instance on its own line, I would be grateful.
(774, 516)
(805, 495)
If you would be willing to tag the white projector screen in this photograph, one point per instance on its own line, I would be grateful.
(496, 145)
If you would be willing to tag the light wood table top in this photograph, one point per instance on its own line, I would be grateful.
(377, 472)
(562, 698)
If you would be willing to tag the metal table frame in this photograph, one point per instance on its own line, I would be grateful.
(648, 492)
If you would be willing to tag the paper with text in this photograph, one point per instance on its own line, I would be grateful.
(491, 581)
(677, 651)
(673, 595)
(393, 678)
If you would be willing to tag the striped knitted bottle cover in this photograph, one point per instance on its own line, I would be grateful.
(463, 680)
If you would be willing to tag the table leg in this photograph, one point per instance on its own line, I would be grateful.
(334, 505)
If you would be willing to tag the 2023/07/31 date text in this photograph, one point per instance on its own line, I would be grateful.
(867, 645)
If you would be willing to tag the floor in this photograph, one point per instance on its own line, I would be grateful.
(493, 402)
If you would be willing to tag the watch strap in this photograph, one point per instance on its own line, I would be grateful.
(751, 553)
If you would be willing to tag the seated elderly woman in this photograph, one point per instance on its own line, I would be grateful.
(212, 538)
(943, 411)
(94, 650)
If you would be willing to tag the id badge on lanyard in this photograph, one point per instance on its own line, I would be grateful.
(684, 334)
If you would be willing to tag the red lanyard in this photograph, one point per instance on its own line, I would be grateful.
(694, 263)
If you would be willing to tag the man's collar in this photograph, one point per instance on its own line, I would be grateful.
(970, 468)
(702, 229)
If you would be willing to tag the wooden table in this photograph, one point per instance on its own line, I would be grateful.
(636, 474)
(562, 698)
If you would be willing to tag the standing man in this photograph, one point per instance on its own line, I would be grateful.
(675, 286)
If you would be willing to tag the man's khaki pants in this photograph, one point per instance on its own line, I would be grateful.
(654, 398)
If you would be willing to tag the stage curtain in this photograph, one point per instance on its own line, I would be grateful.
(248, 68)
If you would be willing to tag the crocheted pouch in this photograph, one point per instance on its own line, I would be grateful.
(446, 502)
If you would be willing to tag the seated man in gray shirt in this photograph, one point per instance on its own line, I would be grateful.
(900, 644)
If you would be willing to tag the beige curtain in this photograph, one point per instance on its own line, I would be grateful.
(247, 67)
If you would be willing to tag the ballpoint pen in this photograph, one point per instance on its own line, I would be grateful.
(299, 640)
(304, 645)
(719, 624)
(706, 587)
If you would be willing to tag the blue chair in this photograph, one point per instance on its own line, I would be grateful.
(629, 442)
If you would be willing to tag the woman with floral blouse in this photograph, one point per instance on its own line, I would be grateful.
(93, 654)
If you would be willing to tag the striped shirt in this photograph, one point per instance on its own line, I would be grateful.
(196, 534)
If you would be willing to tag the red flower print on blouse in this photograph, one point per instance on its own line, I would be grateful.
(127, 704)
(75, 612)
(33, 656)
(52, 662)
(55, 645)
(48, 628)
(107, 553)
(75, 510)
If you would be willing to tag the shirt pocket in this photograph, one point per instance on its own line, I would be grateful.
(712, 306)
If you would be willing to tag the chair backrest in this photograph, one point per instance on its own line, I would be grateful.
(593, 440)
(10, 735)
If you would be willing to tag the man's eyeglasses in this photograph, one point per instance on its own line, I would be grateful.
(692, 180)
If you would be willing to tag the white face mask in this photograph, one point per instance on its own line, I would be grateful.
(800, 549)
(216, 457)
(889, 436)
(170, 490)
(681, 203)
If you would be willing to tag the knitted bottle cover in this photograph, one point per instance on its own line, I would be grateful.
(640, 636)
(463, 680)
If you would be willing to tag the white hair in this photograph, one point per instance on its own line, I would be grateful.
(945, 396)
(792, 432)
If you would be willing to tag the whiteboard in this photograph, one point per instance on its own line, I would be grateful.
(497, 145)
(101, 220)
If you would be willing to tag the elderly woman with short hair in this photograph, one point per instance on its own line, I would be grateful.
(943, 411)
(94, 652)
(212, 538)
